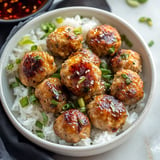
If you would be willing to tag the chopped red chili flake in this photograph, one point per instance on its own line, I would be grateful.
(14, 9)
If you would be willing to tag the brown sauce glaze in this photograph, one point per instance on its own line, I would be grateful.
(31, 66)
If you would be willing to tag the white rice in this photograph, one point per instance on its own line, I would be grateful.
(27, 116)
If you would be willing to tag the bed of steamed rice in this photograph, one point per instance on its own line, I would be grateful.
(28, 116)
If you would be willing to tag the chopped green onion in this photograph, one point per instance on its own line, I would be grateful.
(77, 31)
(37, 57)
(107, 85)
(32, 98)
(128, 81)
(59, 20)
(14, 84)
(149, 21)
(124, 56)
(111, 50)
(10, 66)
(81, 102)
(108, 77)
(18, 80)
(25, 40)
(82, 78)
(105, 71)
(124, 75)
(45, 118)
(54, 103)
(39, 134)
(151, 43)
(24, 101)
(133, 3)
(39, 124)
(103, 65)
(56, 75)
(18, 61)
(83, 109)
(146, 20)
(34, 47)
(142, 1)
(47, 28)
(68, 105)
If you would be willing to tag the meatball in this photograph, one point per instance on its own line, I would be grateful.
(35, 67)
(107, 113)
(72, 126)
(88, 54)
(126, 59)
(50, 94)
(63, 41)
(127, 86)
(103, 40)
(81, 77)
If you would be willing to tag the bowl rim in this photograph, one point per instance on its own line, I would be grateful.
(48, 145)
(43, 8)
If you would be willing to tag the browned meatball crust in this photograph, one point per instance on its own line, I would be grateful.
(81, 76)
(126, 59)
(107, 113)
(35, 67)
(103, 40)
(51, 95)
(63, 41)
(89, 55)
(127, 86)
(72, 126)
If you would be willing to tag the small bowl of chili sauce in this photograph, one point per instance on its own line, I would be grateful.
(19, 10)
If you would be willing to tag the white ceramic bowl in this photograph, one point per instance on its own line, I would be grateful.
(105, 17)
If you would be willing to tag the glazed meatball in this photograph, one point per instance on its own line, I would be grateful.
(35, 67)
(103, 40)
(107, 113)
(127, 86)
(63, 41)
(88, 54)
(72, 126)
(51, 95)
(81, 77)
(126, 59)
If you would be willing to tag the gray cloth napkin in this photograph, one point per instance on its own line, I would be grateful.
(12, 144)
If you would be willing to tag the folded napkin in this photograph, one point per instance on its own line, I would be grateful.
(12, 144)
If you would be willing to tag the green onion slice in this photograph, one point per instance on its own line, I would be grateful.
(39, 124)
(14, 85)
(10, 66)
(45, 118)
(54, 103)
(82, 78)
(25, 40)
(151, 43)
(59, 20)
(40, 134)
(24, 101)
(81, 102)
(77, 31)
(32, 98)
(56, 75)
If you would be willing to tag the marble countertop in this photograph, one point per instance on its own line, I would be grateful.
(145, 143)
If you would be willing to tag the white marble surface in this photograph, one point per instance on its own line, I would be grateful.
(145, 143)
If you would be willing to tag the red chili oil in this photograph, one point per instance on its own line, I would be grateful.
(14, 9)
